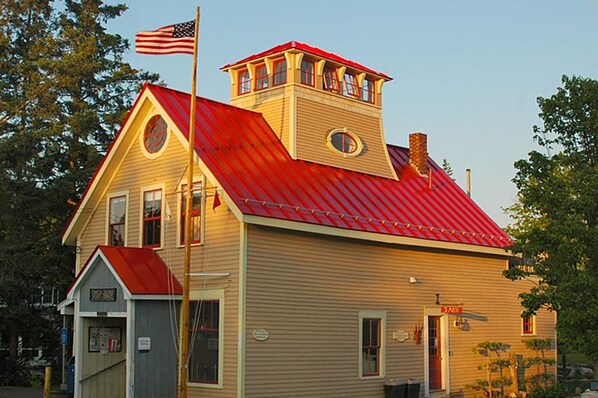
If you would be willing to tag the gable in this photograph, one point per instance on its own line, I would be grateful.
(135, 273)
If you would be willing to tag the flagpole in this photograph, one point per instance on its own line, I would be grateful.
(184, 328)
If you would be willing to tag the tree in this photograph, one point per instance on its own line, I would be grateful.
(448, 169)
(64, 90)
(556, 217)
(492, 385)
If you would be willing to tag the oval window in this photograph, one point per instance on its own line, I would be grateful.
(154, 136)
(345, 142)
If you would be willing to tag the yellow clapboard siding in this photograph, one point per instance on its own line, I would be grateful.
(307, 291)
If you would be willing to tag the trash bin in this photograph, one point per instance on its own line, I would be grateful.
(70, 378)
(394, 389)
(412, 389)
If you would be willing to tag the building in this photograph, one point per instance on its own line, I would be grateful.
(324, 260)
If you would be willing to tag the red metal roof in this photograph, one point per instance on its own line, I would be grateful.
(255, 170)
(142, 271)
(311, 50)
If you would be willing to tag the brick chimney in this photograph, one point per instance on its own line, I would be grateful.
(418, 152)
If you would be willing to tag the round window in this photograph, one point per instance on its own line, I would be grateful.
(345, 142)
(154, 136)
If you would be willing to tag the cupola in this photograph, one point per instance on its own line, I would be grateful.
(323, 107)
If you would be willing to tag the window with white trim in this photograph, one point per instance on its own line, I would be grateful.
(372, 345)
(117, 214)
(528, 325)
(152, 218)
(195, 213)
(206, 313)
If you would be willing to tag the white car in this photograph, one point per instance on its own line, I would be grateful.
(591, 392)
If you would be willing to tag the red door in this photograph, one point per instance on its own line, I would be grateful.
(434, 352)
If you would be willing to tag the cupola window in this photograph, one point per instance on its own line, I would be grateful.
(244, 82)
(350, 86)
(331, 80)
(280, 72)
(307, 73)
(367, 92)
(261, 74)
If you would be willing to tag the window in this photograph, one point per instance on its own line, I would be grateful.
(155, 133)
(280, 72)
(261, 77)
(367, 91)
(350, 87)
(116, 220)
(307, 73)
(204, 340)
(244, 82)
(152, 218)
(524, 264)
(344, 142)
(195, 213)
(331, 80)
(528, 325)
(371, 343)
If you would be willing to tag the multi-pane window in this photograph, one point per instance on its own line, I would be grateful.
(195, 213)
(204, 339)
(371, 344)
(343, 142)
(152, 218)
(307, 73)
(527, 325)
(350, 86)
(261, 77)
(116, 220)
(244, 81)
(367, 91)
(331, 80)
(280, 72)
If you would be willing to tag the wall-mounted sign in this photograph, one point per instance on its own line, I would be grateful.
(261, 334)
(144, 343)
(451, 309)
(102, 295)
(401, 336)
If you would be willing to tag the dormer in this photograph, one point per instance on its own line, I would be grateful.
(324, 108)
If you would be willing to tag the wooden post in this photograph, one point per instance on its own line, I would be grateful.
(47, 381)
(184, 324)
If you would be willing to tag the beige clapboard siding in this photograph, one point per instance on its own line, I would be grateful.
(301, 286)
(218, 253)
(315, 120)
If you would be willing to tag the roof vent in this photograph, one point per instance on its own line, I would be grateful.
(418, 152)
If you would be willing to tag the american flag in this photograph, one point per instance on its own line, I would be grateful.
(171, 39)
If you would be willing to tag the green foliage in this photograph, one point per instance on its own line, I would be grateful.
(555, 391)
(64, 90)
(543, 377)
(494, 366)
(556, 218)
(446, 166)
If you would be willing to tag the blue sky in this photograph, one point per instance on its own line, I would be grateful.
(467, 73)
